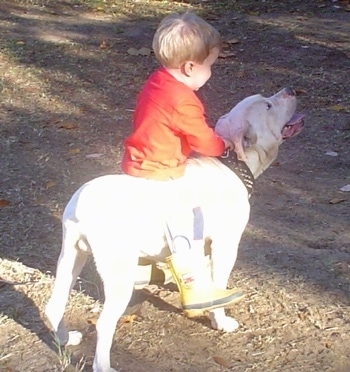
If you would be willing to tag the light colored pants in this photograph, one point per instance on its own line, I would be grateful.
(204, 182)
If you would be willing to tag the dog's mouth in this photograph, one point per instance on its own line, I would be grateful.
(293, 127)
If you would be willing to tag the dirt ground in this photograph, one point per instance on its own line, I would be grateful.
(68, 82)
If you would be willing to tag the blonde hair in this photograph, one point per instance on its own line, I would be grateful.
(184, 37)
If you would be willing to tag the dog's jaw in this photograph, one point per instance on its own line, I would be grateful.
(258, 160)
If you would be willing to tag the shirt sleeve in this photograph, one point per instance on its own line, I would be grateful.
(191, 124)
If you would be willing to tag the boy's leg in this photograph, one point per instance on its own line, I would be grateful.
(190, 268)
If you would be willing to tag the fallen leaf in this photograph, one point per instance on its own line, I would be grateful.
(133, 51)
(103, 45)
(74, 151)
(222, 361)
(68, 125)
(145, 51)
(233, 41)
(126, 319)
(336, 201)
(338, 108)
(4, 203)
(226, 54)
(50, 184)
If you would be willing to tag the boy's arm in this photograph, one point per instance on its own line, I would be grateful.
(191, 123)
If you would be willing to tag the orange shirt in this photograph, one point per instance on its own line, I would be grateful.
(169, 123)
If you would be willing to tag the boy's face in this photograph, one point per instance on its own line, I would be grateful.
(199, 74)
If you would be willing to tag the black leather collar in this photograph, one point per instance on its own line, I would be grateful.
(240, 168)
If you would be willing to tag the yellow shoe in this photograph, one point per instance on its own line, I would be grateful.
(197, 291)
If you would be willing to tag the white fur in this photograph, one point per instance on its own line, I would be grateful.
(121, 218)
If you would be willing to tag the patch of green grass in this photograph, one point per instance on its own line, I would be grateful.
(65, 358)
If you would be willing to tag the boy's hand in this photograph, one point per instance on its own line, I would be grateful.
(228, 144)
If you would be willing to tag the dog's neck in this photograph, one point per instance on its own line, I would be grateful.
(257, 161)
(240, 168)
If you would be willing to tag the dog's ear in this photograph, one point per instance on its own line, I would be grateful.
(233, 128)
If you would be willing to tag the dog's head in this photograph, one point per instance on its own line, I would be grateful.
(261, 123)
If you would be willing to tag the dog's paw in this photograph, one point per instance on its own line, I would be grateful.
(74, 338)
(222, 322)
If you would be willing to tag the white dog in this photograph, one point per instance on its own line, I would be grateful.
(119, 218)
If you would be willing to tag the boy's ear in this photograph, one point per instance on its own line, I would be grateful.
(187, 68)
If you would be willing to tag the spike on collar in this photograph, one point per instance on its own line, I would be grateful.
(240, 168)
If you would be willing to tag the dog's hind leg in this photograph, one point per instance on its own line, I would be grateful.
(69, 266)
(117, 270)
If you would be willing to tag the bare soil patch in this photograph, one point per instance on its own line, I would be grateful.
(68, 84)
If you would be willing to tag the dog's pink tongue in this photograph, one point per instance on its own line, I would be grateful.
(296, 118)
(293, 127)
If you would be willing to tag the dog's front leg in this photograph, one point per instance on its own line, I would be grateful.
(221, 270)
(220, 321)
(223, 259)
(227, 233)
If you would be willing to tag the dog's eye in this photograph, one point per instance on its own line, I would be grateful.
(268, 106)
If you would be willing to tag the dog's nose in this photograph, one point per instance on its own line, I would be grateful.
(290, 91)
